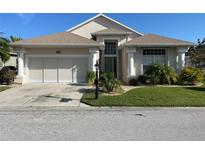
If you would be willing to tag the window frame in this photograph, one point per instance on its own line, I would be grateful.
(153, 56)
(111, 41)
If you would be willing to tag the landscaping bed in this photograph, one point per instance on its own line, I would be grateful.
(151, 96)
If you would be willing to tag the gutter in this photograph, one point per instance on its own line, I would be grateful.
(55, 45)
(157, 45)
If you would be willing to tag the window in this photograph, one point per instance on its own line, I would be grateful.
(153, 56)
(110, 56)
(110, 47)
(111, 65)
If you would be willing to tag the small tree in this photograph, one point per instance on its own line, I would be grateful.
(4, 51)
(197, 54)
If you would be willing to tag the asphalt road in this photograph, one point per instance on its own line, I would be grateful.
(103, 124)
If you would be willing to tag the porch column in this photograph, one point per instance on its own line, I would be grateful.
(20, 64)
(181, 57)
(93, 58)
(131, 62)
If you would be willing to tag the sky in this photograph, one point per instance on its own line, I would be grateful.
(188, 27)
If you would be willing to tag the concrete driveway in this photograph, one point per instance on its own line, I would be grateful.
(43, 95)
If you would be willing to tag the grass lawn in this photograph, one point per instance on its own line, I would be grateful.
(2, 88)
(151, 96)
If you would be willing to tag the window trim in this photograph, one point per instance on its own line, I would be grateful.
(141, 57)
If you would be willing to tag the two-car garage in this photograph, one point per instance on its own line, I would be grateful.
(70, 69)
(59, 58)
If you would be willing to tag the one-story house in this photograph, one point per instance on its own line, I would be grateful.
(67, 56)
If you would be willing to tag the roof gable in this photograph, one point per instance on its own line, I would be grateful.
(98, 23)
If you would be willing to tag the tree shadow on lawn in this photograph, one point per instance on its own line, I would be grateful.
(196, 88)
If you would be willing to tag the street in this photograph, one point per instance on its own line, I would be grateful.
(102, 124)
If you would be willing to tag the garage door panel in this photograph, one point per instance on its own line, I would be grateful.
(36, 69)
(50, 69)
(80, 66)
(65, 69)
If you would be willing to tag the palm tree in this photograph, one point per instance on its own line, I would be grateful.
(14, 38)
(3, 38)
(5, 47)
(4, 50)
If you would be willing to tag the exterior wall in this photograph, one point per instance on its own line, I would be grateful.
(48, 51)
(98, 24)
(124, 64)
(122, 57)
(42, 51)
(171, 57)
(171, 61)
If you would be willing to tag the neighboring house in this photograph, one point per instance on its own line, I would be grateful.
(11, 62)
(67, 56)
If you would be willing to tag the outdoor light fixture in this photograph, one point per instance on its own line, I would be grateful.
(96, 80)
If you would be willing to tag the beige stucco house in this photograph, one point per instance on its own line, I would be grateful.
(67, 56)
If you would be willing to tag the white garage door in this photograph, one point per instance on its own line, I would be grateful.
(36, 69)
(62, 69)
(65, 70)
(50, 69)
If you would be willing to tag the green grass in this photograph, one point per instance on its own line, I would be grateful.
(151, 96)
(2, 88)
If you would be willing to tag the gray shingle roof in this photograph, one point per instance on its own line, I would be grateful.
(112, 31)
(157, 40)
(63, 38)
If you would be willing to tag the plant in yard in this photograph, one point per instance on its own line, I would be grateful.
(90, 77)
(109, 83)
(203, 72)
(142, 79)
(161, 74)
(15, 39)
(4, 51)
(133, 81)
(190, 75)
(197, 54)
(7, 75)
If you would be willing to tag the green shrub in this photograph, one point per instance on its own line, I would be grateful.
(190, 75)
(7, 75)
(109, 83)
(161, 74)
(142, 79)
(90, 77)
(203, 72)
(133, 81)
